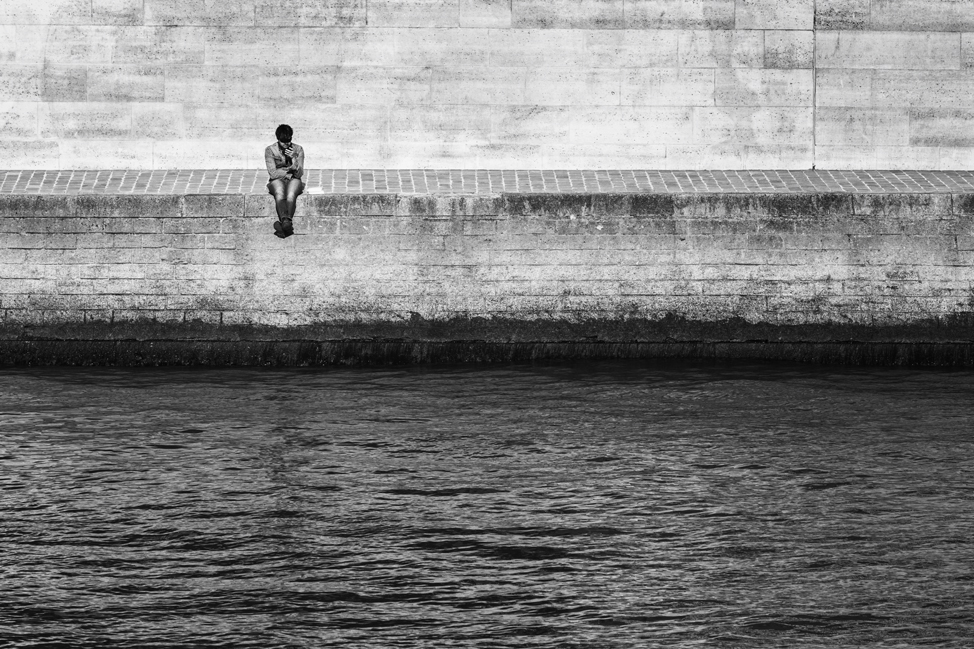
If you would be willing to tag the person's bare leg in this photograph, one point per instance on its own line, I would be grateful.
(279, 192)
(293, 190)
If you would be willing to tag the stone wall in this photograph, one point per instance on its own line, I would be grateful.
(166, 84)
(506, 269)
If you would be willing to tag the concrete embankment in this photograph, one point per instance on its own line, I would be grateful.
(200, 279)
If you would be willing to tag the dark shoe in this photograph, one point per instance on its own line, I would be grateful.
(288, 227)
(279, 230)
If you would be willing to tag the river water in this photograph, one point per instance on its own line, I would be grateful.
(572, 505)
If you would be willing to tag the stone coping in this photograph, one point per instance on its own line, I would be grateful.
(484, 181)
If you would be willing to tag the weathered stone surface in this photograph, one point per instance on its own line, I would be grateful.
(789, 49)
(842, 14)
(722, 49)
(879, 50)
(414, 13)
(857, 126)
(680, 14)
(921, 15)
(485, 13)
(747, 87)
(584, 14)
(774, 14)
(668, 87)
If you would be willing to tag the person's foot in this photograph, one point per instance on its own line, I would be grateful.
(279, 230)
(288, 227)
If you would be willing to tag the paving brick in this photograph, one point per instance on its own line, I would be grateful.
(579, 14)
(722, 49)
(885, 50)
(679, 14)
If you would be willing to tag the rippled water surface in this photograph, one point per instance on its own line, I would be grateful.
(596, 505)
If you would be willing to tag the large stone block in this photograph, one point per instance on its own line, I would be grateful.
(635, 125)
(922, 88)
(212, 84)
(851, 88)
(877, 50)
(485, 13)
(537, 47)
(61, 12)
(478, 85)
(747, 87)
(105, 154)
(862, 127)
(748, 125)
(668, 87)
(233, 123)
(338, 122)
(789, 49)
(414, 13)
(18, 120)
(323, 47)
(385, 86)
(252, 46)
(81, 44)
(142, 45)
(433, 47)
(774, 14)
(91, 120)
(296, 85)
(122, 83)
(185, 154)
(842, 14)
(432, 124)
(578, 14)
(921, 15)
(680, 14)
(948, 127)
(630, 48)
(722, 49)
(568, 87)
(116, 12)
(705, 156)
(199, 12)
(8, 44)
(158, 121)
(311, 13)
(20, 82)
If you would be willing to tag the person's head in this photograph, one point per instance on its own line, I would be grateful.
(284, 134)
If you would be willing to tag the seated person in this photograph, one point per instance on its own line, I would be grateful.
(285, 165)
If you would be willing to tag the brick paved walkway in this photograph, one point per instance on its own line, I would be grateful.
(419, 181)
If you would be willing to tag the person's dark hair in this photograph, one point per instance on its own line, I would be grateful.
(284, 133)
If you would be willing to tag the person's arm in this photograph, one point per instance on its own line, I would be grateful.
(273, 171)
(297, 164)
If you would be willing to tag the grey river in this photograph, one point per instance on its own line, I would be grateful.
(568, 505)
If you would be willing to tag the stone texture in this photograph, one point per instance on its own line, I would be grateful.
(212, 84)
(485, 13)
(921, 15)
(722, 49)
(311, 13)
(752, 126)
(774, 14)
(628, 48)
(883, 50)
(478, 85)
(746, 87)
(385, 86)
(414, 13)
(946, 127)
(582, 14)
(93, 121)
(789, 49)
(668, 87)
(680, 14)
(434, 47)
(567, 87)
(199, 12)
(862, 126)
(125, 83)
(537, 47)
(116, 12)
(842, 14)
